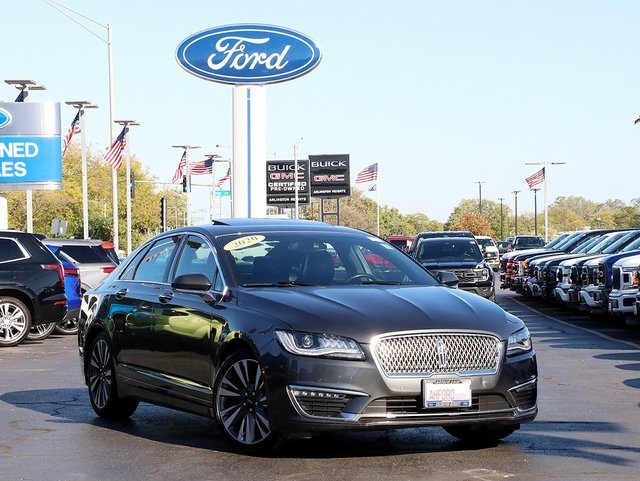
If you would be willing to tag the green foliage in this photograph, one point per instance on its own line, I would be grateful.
(66, 203)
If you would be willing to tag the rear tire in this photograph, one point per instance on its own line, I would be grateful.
(481, 434)
(67, 327)
(102, 382)
(41, 331)
(15, 321)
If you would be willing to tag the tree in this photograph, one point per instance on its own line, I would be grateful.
(475, 222)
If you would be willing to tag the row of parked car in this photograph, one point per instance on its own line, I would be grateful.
(596, 270)
(42, 281)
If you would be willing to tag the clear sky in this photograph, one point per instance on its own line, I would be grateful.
(442, 94)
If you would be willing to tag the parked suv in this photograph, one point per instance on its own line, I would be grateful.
(462, 256)
(489, 251)
(95, 259)
(31, 286)
(521, 242)
(438, 233)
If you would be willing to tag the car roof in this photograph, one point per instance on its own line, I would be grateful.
(235, 226)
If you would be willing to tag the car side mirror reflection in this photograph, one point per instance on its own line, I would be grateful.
(196, 282)
(447, 278)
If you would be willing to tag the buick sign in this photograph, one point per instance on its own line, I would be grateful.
(248, 54)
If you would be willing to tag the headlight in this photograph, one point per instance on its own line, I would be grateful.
(481, 273)
(519, 342)
(320, 345)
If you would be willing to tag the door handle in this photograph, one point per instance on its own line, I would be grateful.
(166, 297)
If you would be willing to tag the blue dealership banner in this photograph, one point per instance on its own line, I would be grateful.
(30, 146)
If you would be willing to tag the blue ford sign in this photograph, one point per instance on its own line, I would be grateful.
(5, 118)
(248, 54)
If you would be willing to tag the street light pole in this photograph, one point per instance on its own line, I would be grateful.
(81, 105)
(516, 192)
(296, 147)
(501, 217)
(126, 124)
(25, 86)
(535, 210)
(186, 149)
(479, 182)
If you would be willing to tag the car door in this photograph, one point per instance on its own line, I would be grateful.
(136, 293)
(185, 323)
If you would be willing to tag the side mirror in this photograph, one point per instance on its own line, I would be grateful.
(447, 278)
(196, 282)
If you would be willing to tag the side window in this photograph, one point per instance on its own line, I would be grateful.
(10, 251)
(153, 264)
(196, 257)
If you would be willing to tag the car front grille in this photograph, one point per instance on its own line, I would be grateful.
(425, 354)
(412, 406)
(617, 274)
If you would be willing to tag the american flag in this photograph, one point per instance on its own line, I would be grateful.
(180, 170)
(368, 174)
(223, 179)
(201, 168)
(74, 129)
(22, 96)
(535, 179)
(113, 157)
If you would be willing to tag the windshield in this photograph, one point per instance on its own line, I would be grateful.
(485, 242)
(318, 258)
(449, 249)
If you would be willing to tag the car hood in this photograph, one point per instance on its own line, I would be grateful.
(447, 265)
(361, 312)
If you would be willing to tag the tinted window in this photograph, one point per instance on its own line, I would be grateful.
(153, 265)
(449, 249)
(10, 250)
(196, 257)
(318, 258)
(86, 254)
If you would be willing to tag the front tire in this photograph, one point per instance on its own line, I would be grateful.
(15, 321)
(240, 403)
(102, 382)
(481, 434)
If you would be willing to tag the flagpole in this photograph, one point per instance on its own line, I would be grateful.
(378, 200)
(544, 166)
(81, 105)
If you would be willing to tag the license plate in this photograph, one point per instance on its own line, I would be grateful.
(446, 393)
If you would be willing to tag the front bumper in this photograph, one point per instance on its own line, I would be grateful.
(593, 297)
(314, 395)
(622, 302)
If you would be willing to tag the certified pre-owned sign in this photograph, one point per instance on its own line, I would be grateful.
(248, 54)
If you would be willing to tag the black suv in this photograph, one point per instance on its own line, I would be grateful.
(31, 286)
(462, 256)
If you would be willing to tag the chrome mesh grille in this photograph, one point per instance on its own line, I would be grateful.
(425, 354)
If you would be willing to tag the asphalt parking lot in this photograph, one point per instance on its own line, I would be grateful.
(588, 427)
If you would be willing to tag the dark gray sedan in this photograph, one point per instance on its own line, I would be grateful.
(281, 329)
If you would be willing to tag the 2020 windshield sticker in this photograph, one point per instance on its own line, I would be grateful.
(243, 242)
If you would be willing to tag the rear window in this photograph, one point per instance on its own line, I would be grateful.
(87, 254)
(11, 251)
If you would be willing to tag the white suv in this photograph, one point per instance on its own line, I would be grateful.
(489, 251)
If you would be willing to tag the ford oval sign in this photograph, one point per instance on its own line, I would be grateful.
(5, 118)
(248, 54)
